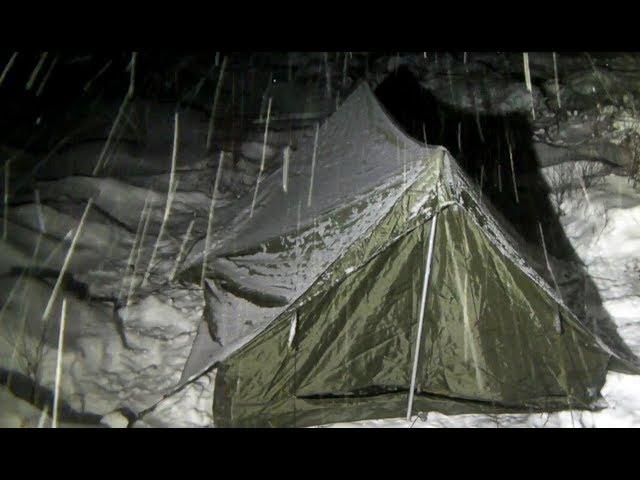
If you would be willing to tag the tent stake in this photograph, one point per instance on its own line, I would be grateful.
(427, 271)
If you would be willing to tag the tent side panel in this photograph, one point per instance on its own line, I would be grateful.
(353, 344)
(490, 342)
(358, 339)
(491, 334)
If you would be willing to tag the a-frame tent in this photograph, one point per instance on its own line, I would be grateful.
(380, 278)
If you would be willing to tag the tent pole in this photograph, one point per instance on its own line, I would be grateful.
(427, 271)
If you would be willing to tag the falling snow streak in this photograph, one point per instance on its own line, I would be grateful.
(527, 79)
(65, 264)
(23, 320)
(286, 154)
(46, 76)
(596, 74)
(5, 225)
(16, 285)
(8, 67)
(292, 329)
(242, 103)
(477, 115)
(513, 171)
(181, 253)
(116, 123)
(36, 70)
(462, 286)
(215, 103)
(121, 112)
(527, 73)
(555, 73)
(36, 194)
(135, 247)
(344, 69)
(262, 161)
(170, 197)
(233, 105)
(404, 166)
(132, 73)
(138, 256)
(546, 257)
(313, 165)
(212, 206)
(553, 277)
(97, 75)
(32, 265)
(265, 95)
(56, 392)
(193, 92)
(327, 72)
(450, 83)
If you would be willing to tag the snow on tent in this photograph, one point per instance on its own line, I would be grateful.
(381, 268)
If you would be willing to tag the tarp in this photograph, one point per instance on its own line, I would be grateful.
(312, 302)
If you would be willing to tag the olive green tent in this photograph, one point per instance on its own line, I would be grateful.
(380, 281)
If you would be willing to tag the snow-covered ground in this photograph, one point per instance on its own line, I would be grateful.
(601, 220)
(129, 357)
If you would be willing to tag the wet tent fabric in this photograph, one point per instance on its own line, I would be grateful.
(314, 304)
(490, 342)
(338, 189)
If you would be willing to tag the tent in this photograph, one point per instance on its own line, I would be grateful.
(373, 279)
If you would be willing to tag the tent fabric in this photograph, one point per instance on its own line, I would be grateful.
(314, 305)
(490, 342)
(268, 259)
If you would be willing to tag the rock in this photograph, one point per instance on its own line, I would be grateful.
(115, 420)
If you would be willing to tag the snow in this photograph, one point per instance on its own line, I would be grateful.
(115, 420)
(189, 407)
(605, 233)
(127, 357)
(16, 412)
(102, 374)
